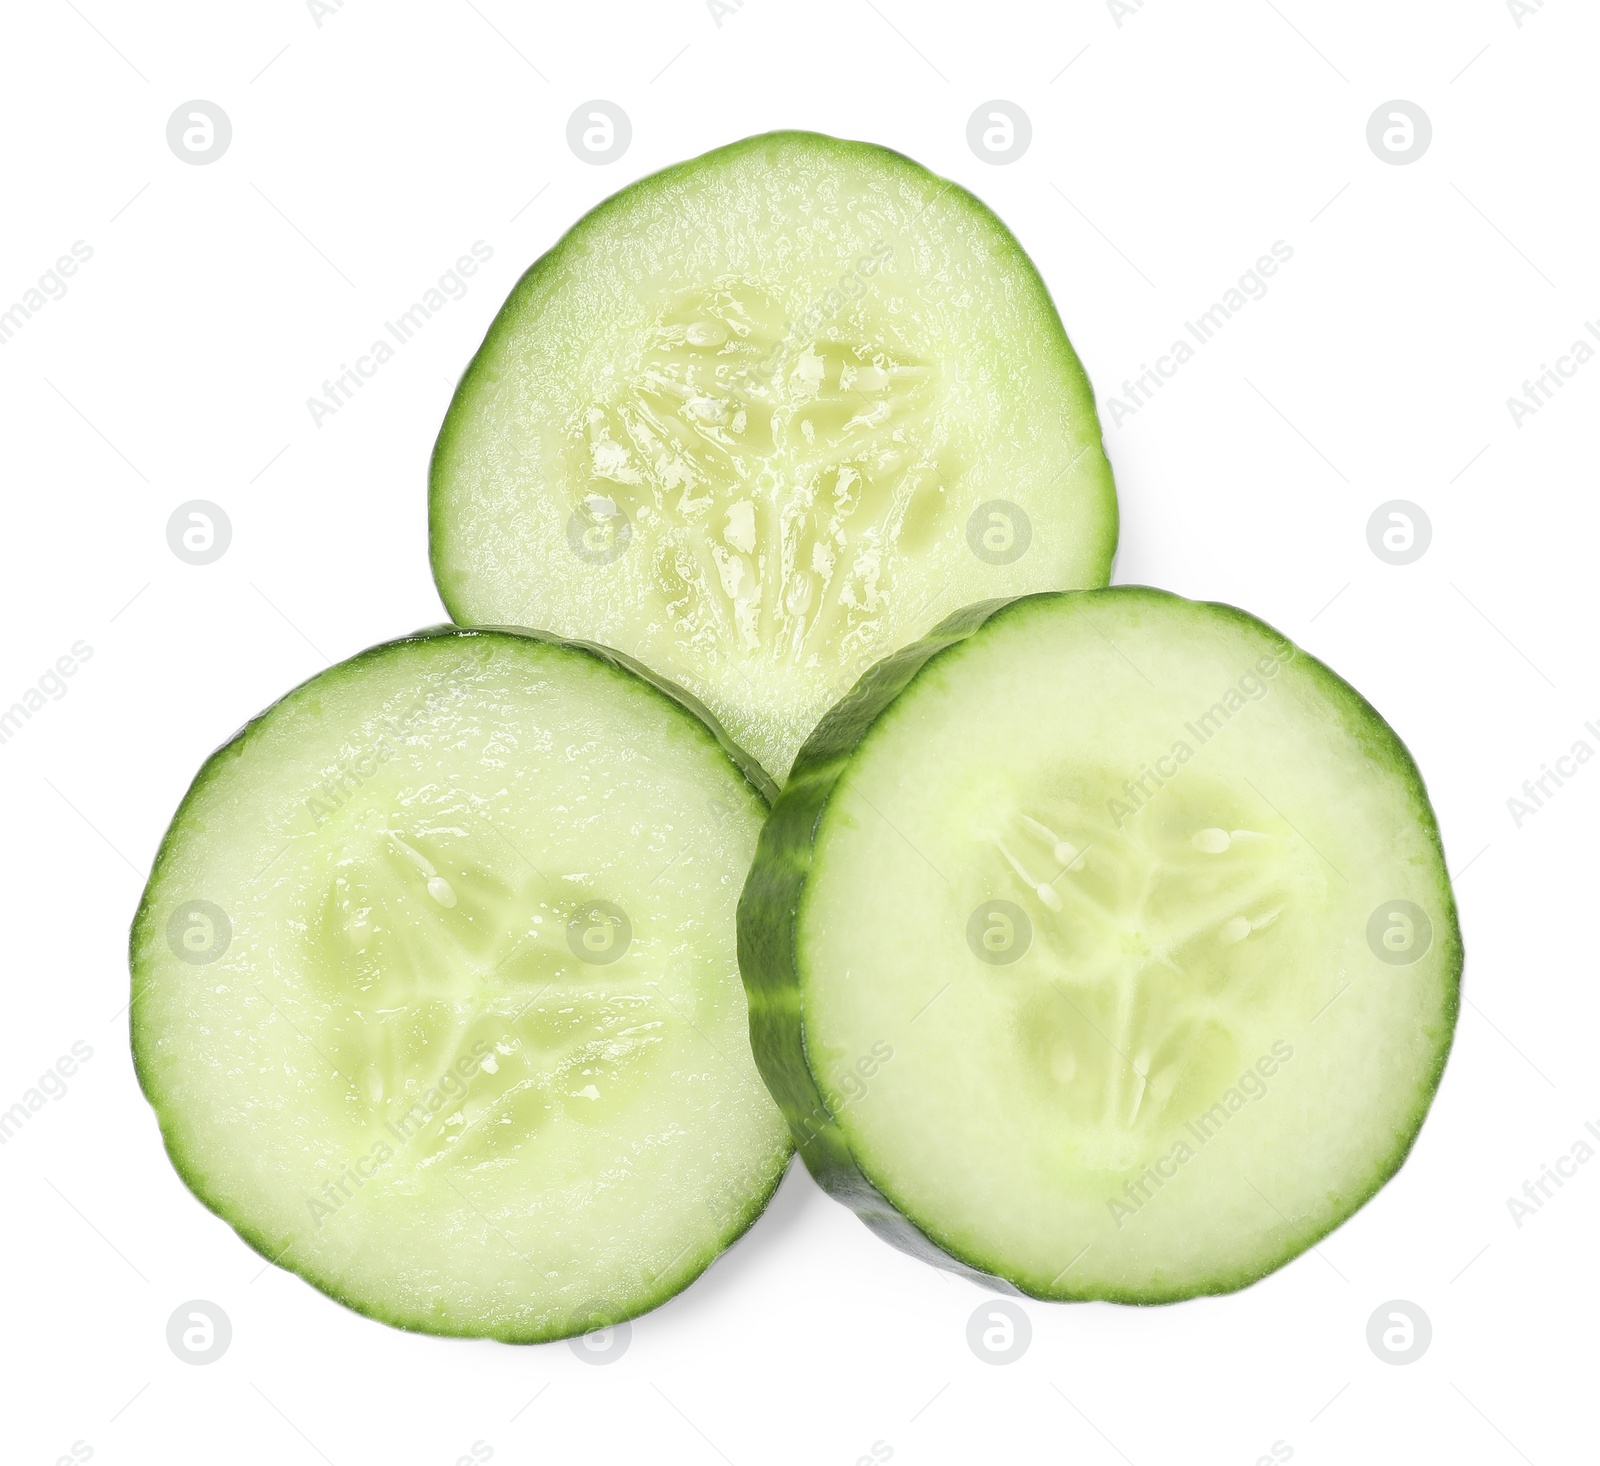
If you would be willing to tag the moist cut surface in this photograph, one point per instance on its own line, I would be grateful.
(435, 993)
(1151, 910)
(762, 418)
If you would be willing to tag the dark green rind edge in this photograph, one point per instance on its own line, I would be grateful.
(510, 313)
(190, 1173)
(770, 912)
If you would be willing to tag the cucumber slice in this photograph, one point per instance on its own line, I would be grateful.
(764, 417)
(435, 992)
(1101, 944)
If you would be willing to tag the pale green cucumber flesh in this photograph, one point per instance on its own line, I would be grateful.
(763, 417)
(410, 1060)
(1201, 1030)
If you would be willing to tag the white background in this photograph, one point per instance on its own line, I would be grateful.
(1168, 153)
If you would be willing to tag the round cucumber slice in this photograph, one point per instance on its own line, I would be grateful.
(435, 992)
(764, 417)
(1102, 944)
